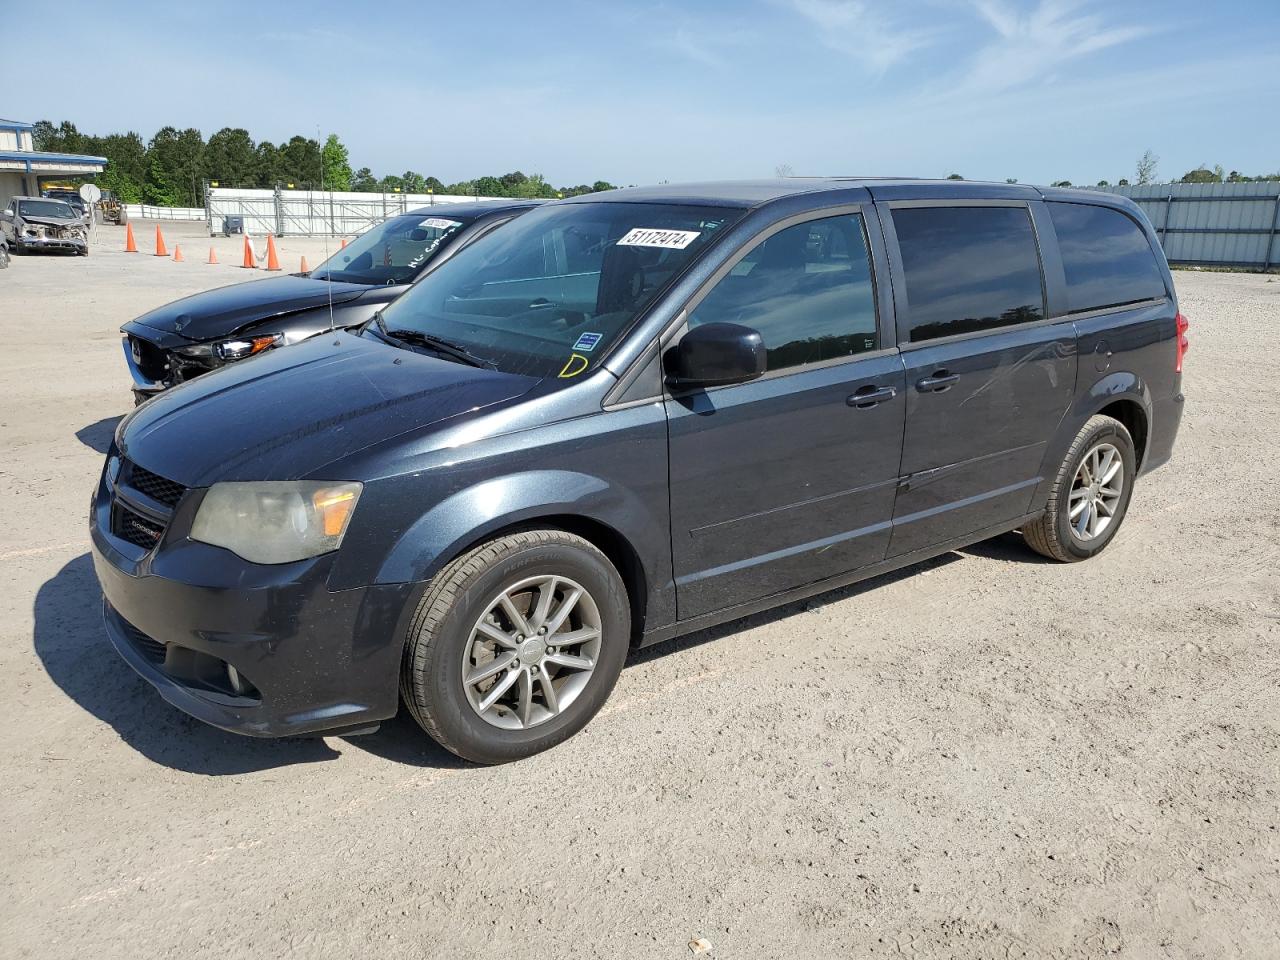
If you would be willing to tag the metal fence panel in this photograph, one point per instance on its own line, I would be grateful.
(145, 211)
(1219, 224)
(314, 212)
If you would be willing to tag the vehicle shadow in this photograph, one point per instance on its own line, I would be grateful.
(97, 436)
(766, 617)
(72, 645)
(1009, 547)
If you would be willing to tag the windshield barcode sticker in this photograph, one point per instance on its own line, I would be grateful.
(440, 223)
(653, 237)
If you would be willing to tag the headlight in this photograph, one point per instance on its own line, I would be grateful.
(239, 349)
(276, 522)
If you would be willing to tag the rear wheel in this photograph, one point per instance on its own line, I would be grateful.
(516, 645)
(1090, 494)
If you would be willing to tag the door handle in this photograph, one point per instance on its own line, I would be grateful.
(940, 382)
(866, 397)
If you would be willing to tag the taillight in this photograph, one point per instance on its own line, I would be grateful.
(1183, 344)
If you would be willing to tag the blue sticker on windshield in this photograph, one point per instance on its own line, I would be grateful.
(588, 341)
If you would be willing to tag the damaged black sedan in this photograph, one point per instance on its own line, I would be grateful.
(189, 337)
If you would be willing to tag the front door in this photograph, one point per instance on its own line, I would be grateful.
(988, 377)
(788, 479)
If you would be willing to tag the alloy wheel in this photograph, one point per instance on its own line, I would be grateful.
(1095, 492)
(532, 652)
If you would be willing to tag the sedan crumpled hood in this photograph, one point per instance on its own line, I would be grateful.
(288, 413)
(224, 310)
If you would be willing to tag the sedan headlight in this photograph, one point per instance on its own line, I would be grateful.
(276, 522)
(239, 349)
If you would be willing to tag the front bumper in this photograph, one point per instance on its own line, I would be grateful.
(304, 659)
(32, 244)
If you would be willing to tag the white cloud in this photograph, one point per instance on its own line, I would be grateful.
(862, 31)
(1031, 45)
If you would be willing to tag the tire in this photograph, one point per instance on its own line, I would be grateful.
(1055, 533)
(462, 607)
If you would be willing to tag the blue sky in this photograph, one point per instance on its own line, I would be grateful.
(635, 91)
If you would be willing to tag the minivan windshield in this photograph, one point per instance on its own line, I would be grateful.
(549, 294)
(395, 251)
(49, 209)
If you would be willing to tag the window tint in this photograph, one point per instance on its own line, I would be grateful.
(968, 268)
(807, 289)
(1106, 256)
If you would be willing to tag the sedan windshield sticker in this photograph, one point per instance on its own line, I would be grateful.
(574, 366)
(440, 223)
(588, 342)
(653, 237)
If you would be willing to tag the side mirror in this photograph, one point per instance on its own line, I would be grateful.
(716, 354)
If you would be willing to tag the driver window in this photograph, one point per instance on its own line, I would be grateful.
(807, 289)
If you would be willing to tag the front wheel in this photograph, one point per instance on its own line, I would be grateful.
(1090, 494)
(516, 645)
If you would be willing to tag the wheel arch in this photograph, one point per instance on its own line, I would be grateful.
(1121, 394)
(609, 519)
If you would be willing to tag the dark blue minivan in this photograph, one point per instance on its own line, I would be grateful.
(623, 417)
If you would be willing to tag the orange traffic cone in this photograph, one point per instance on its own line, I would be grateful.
(344, 243)
(177, 254)
(161, 249)
(249, 263)
(273, 261)
(213, 257)
(129, 245)
(305, 268)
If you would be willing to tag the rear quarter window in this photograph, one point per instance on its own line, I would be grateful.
(1107, 258)
(968, 269)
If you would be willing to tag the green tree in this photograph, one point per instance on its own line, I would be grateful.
(601, 185)
(1103, 183)
(300, 162)
(488, 187)
(1122, 182)
(954, 176)
(268, 169)
(434, 185)
(230, 157)
(412, 182)
(363, 181)
(178, 156)
(512, 182)
(159, 189)
(126, 169)
(337, 166)
(1202, 174)
(1061, 183)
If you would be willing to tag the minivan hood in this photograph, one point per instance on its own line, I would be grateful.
(288, 413)
(224, 310)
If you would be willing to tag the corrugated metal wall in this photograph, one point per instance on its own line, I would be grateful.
(1213, 224)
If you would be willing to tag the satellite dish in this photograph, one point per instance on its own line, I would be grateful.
(90, 193)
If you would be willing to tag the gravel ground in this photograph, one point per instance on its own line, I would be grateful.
(986, 755)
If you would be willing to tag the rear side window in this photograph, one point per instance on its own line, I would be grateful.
(968, 268)
(1106, 256)
(807, 289)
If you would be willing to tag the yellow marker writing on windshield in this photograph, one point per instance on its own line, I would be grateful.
(574, 366)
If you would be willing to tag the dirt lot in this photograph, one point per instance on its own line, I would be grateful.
(988, 755)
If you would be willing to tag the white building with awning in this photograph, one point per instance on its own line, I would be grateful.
(22, 168)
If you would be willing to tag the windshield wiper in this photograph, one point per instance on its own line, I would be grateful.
(445, 348)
